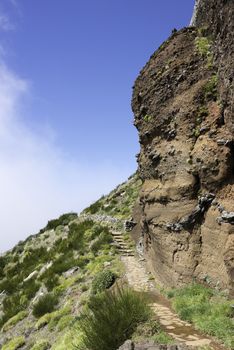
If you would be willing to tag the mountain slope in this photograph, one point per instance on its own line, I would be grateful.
(61, 262)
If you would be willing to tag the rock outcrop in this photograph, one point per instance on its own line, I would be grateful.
(184, 112)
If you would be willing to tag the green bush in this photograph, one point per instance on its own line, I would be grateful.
(51, 282)
(41, 345)
(111, 318)
(14, 344)
(103, 280)
(94, 208)
(104, 238)
(45, 304)
(14, 320)
(210, 89)
(203, 45)
(11, 307)
(62, 220)
(30, 288)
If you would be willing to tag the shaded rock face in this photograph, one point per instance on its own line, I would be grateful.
(184, 112)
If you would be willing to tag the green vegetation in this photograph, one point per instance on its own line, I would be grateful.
(203, 45)
(152, 330)
(147, 118)
(45, 304)
(120, 201)
(111, 318)
(64, 322)
(196, 132)
(211, 312)
(104, 238)
(41, 345)
(163, 338)
(210, 89)
(14, 344)
(62, 220)
(95, 207)
(70, 260)
(53, 318)
(103, 280)
(14, 320)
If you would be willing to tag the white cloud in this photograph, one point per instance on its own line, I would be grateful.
(37, 180)
(5, 23)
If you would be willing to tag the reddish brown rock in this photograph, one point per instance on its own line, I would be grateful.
(184, 112)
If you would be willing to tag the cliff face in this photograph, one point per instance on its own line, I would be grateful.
(184, 112)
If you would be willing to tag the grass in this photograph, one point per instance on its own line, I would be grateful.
(151, 330)
(14, 320)
(210, 312)
(111, 318)
(41, 345)
(14, 344)
(45, 304)
(52, 318)
(66, 341)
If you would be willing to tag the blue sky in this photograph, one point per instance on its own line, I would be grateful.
(67, 68)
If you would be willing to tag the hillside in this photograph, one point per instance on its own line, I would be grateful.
(62, 262)
(150, 265)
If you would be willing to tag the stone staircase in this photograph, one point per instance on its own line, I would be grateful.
(121, 244)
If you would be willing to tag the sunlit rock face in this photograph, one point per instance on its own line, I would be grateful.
(184, 112)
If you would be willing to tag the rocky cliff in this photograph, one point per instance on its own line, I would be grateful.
(183, 106)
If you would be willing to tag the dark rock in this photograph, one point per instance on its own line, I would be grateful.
(129, 225)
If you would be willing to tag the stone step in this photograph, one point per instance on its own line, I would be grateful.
(126, 250)
(127, 254)
(116, 233)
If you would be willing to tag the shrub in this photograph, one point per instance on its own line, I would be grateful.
(94, 208)
(45, 304)
(210, 89)
(30, 288)
(41, 345)
(62, 220)
(14, 320)
(64, 322)
(111, 318)
(11, 307)
(103, 280)
(51, 282)
(2, 265)
(203, 45)
(14, 344)
(104, 238)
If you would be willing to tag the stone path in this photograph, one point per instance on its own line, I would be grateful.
(182, 331)
(121, 244)
(138, 278)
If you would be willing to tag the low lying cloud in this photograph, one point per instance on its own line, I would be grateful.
(37, 180)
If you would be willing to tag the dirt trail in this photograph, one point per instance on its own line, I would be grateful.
(138, 278)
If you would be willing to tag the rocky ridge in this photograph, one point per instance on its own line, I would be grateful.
(183, 106)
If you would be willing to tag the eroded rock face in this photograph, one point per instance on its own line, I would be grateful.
(184, 112)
